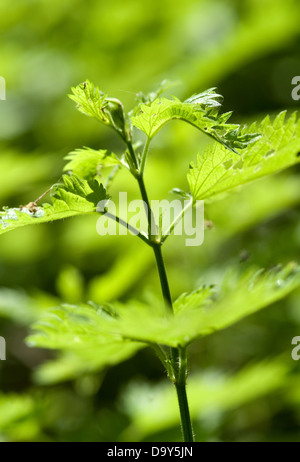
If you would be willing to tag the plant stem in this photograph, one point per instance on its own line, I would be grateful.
(186, 424)
(180, 385)
(163, 276)
(178, 355)
(150, 215)
(179, 361)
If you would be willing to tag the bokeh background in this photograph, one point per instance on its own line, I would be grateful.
(244, 385)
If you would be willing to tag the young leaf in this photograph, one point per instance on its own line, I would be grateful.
(87, 163)
(90, 101)
(93, 103)
(217, 170)
(201, 111)
(74, 197)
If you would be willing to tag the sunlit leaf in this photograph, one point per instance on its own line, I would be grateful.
(198, 314)
(74, 197)
(201, 111)
(92, 102)
(217, 170)
(192, 301)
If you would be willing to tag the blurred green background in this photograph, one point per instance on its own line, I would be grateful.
(244, 385)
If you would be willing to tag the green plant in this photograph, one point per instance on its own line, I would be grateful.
(90, 336)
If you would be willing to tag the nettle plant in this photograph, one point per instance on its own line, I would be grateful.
(93, 337)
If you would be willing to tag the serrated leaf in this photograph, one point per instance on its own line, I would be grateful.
(74, 327)
(201, 297)
(217, 170)
(92, 102)
(74, 197)
(246, 295)
(201, 111)
(87, 163)
(249, 294)
(208, 98)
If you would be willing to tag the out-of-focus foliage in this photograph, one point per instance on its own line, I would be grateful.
(211, 395)
(250, 51)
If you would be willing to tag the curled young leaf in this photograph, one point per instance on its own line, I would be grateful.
(92, 102)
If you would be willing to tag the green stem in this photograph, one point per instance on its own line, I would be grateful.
(186, 423)
(178, 355)
(180, 385)
(163, 276)
(179, 360)
(150, 215)
(139, 177)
